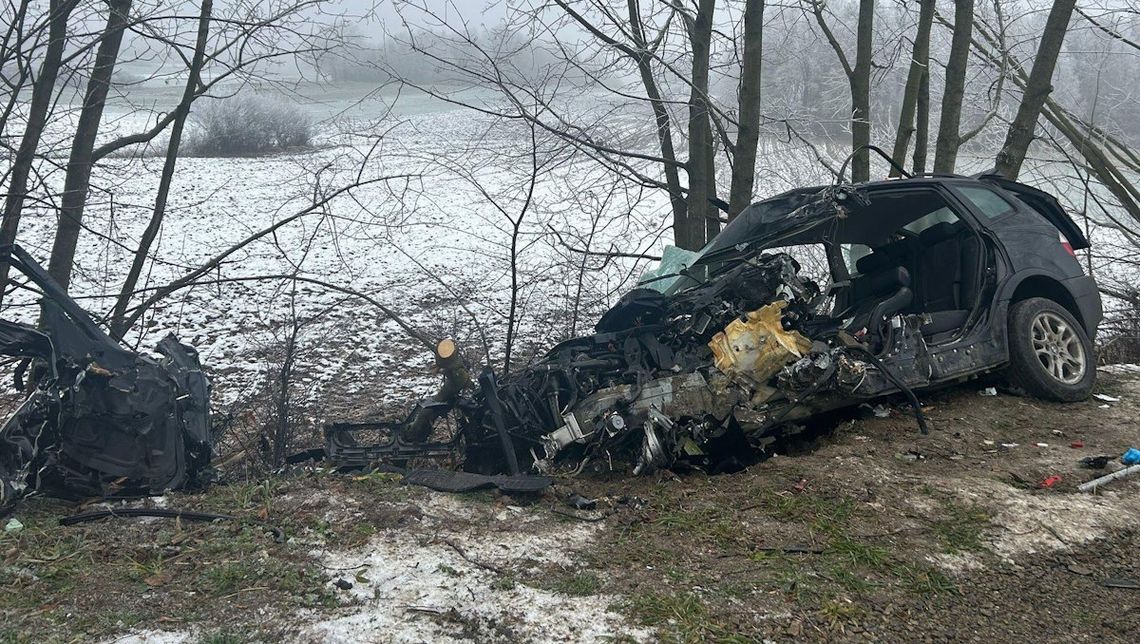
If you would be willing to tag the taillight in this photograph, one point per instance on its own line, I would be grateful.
(1066, 245)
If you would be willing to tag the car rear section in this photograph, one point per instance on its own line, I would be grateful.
(1050, 306)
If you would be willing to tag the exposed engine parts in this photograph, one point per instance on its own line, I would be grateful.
(689, 377)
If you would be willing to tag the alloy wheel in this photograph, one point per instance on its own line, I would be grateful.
(1058, 348)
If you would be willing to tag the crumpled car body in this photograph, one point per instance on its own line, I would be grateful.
(742, 346)
(100, 419)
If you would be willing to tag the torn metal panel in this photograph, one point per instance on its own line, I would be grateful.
(100, 419)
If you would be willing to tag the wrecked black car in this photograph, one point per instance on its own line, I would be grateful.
(99, 420)
(813, 300)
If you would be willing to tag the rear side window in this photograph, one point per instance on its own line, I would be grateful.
(941, 216)
(988, 202)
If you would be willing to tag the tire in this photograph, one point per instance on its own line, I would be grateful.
(1050, 355)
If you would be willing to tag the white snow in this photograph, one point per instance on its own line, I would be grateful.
(410, 589)
(1028, 523)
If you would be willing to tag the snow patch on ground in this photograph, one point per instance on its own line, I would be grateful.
(1120, 369)
(1032, 523)
(456, 585)
(956, 563)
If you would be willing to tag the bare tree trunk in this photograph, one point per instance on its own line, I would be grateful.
(660, 117)
(859, 80)
(1020, 135)
(922, 124)
(919, 64)
(702, 221)
(946, 148)
(79, 165)
(283, 400)
(861, 93)
(42, 92)
(118, 315)
(748, 135)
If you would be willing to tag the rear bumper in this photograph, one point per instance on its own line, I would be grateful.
(1087, 297)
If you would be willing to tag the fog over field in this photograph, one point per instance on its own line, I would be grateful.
(345, 171)
(313, 193)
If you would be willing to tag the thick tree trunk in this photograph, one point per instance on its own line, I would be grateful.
(919, 64)
(922, 124)
(702, 220)
(118, 315)
(861, 93)
(79, 165)
(660, 118)
(946, 148)
(42, 91)
(1020, 135)
(748, 135)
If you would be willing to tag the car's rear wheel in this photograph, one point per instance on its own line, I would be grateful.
(1050, 354)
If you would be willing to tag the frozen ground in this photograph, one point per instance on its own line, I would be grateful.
(837, 539)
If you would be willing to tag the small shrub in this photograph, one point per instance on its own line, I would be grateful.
(247, 125)
(1120, 330)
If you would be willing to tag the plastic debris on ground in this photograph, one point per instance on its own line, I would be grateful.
(579, 502)
(1131, 457)
(13, 526)
(1095, 462)
(1108, 478)
(988, 391)
(1120, 582)
(1106, 398)
(1049, 482)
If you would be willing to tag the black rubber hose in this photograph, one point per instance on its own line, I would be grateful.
(896, 381)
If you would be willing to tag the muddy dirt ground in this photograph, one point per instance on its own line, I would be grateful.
(868, 532)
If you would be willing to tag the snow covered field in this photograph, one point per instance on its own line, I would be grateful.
(426, 243)
(429, 242)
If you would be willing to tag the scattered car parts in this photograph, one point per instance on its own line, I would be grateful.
(100, 420)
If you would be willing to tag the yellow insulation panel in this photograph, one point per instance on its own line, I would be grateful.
(758, 347)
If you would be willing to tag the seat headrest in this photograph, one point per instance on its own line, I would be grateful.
(875, 262)
(888, 281)
(937, 233)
